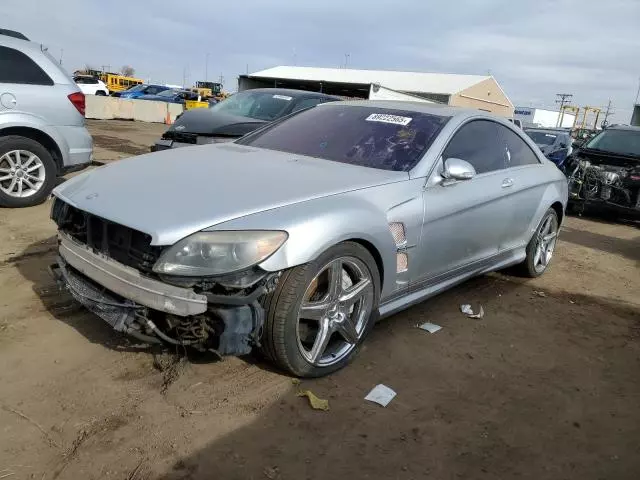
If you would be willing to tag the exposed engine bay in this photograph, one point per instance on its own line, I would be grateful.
(592, 181)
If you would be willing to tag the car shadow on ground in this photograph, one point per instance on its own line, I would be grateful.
(548, 392)
(629, 248)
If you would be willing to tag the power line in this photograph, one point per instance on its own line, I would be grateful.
(563, 99)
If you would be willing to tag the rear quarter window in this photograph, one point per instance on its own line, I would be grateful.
(17, 67)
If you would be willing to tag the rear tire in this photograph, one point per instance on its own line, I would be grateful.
(101, 93)
(287, 335)
(32, 153)
(541, 246)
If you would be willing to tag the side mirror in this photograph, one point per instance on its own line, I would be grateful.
(458, 169)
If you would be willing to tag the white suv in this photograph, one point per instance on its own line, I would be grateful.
(91, 85)
(42, 125)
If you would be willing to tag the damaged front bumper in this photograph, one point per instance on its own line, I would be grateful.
(156, 312)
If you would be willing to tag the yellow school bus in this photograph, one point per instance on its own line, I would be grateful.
(118, 83)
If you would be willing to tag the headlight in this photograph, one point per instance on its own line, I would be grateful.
(215, 253)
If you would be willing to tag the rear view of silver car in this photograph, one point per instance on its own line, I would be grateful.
(42, 124)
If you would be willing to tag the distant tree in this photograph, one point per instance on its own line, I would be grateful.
(128, 71)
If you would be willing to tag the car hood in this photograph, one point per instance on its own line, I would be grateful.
(204, 121)
(174, 193)
(600, 157)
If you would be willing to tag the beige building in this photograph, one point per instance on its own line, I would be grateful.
(473, 91)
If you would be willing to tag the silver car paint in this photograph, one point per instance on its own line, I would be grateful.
(453, 232)
(46, 108)
(170, 195)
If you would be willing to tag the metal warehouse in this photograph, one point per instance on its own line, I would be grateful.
(473, 91)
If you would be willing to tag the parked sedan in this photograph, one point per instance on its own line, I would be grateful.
(297, 238)
(239, 114)
(554, 143)
(138, 91)
(171, 96)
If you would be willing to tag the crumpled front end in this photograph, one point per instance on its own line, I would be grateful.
(107, 267)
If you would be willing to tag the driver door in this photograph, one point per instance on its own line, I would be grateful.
(464, 220)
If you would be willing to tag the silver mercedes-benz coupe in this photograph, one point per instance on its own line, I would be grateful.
(298, 237)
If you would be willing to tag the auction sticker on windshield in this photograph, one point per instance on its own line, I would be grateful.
(283, 97)
(385, 118)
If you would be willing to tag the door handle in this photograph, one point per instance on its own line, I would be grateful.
(507, 182)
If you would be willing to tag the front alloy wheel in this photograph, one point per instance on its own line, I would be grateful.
(321, 312)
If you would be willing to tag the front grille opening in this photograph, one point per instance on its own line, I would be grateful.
(123, 244)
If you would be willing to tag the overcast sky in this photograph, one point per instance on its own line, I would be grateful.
(534, 48)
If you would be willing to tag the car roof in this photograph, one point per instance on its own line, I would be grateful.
(420, 107)
(624, 127)
(290, 92)
(547, 130)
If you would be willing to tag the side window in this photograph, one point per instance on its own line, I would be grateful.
(517, 152)
(478, 143)
(306, 103)
(16, 67)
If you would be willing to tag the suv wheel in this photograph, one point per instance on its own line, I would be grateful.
(27, 172)
(101, 93)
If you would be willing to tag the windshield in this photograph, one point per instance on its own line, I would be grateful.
(168, 93)
(542, 138)
(136, 88)
(260, 105)
(622, 142)
(365, 136)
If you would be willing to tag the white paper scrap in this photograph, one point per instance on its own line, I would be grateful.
(468, 311)
(381, 394)
(430, 327)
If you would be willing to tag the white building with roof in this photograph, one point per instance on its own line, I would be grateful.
(472, 91)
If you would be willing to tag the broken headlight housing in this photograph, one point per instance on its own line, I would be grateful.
(205, 254)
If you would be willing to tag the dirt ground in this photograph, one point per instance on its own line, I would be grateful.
(545, 386)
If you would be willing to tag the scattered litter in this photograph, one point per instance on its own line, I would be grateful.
(381, 394)
(315, 402)
(295, 381)
(468, 311)
(271, 472)
(572, 302)
(540, 294)
(430, 327)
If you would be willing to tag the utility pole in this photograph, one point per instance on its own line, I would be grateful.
(608, 112)
(638, 92)
(206, 68)
(563, 99)
(61, 52)
(221, 79)
(346, 60)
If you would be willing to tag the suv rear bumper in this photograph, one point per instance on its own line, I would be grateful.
(79, 147)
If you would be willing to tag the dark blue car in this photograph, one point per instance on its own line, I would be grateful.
(171, 96)
(140, 90)
(554, 143)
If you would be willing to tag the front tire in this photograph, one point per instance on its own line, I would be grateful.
(321, 312)
(541, 246)
(27, 172)
(101, 93)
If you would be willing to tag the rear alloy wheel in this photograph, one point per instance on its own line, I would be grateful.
(27, 172)
(542, 245)
(321, 312)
